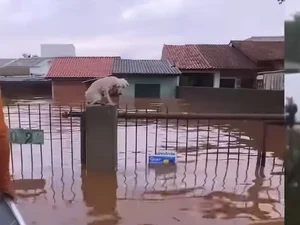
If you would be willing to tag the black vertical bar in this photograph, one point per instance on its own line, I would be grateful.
(61, 138)
(228, 145)
(71, 130)
(187, 140)
(83, 139)
(136, 140)
(41, 146)
(218, 141)
(146, 155)
(167, 126)
(50, 133)
(207, 142)
(20, 126)
(126, 124)
(31, 150)
(10, 144)
(156, 131)
(263, 155)
(177, 127)
(239, 147)
(197, 142)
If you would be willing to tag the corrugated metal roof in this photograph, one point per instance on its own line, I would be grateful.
(5, 61)
(150, 67)
(81, 67)
(266, 38)
(27, 62)
(22, 78)
(204, 57)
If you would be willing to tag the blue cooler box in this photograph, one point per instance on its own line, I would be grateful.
(162, 158)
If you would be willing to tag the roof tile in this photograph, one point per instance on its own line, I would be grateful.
(81, 67)
(147, 67)
(205, 57)
(261, 50)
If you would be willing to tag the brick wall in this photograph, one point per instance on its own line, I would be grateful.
(68, 92)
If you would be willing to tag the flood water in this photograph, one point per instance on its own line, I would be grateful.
(216, 180)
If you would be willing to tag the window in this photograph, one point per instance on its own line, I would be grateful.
(227, 82)
(198, 80)
(147, 90)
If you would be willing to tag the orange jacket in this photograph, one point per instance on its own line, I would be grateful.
(5, 179)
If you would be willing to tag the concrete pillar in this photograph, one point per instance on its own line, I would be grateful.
(217, 79)
(101, 138)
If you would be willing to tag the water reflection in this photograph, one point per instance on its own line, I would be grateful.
(100, 197)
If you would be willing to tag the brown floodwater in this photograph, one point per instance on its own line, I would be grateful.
(219, 182)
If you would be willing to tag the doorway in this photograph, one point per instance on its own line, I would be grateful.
(227, 83)
(147, 90)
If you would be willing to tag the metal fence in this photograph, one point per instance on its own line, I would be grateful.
(214, 156)
(192, 136)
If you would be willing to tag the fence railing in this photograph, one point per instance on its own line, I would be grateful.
(191, 135)
(215, 155)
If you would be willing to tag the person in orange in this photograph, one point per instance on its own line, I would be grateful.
(5, 178)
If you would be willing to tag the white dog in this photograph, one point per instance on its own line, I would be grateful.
(103, 87)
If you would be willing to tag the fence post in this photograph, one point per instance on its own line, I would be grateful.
(264, 148)
(101, 138)
(83, 139)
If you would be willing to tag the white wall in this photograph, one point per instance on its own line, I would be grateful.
(42, 68)
(274, 81)
(217, 79)
(58, 50)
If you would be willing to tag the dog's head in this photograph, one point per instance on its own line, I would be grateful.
(120, 86)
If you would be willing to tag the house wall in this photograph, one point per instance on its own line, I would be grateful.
(68, 91)
(41, 69)
(225, 100)
(168, 84)
(26, 89)
(58, 50)
(244, 78)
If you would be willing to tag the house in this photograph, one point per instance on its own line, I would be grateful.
(147, 78)
(267, 55)
(271, 80)
(38, 66)
(16, 81)
(68, 74)
(225, 66)
(3, 62)
(57, 50)
(211, 66)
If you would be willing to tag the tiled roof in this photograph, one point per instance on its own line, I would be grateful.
(129, 66)
(261, 50)
(5, 61)
(81, 67)
(205, 57)
(27, 62)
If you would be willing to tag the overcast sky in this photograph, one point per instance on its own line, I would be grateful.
(133, 28)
